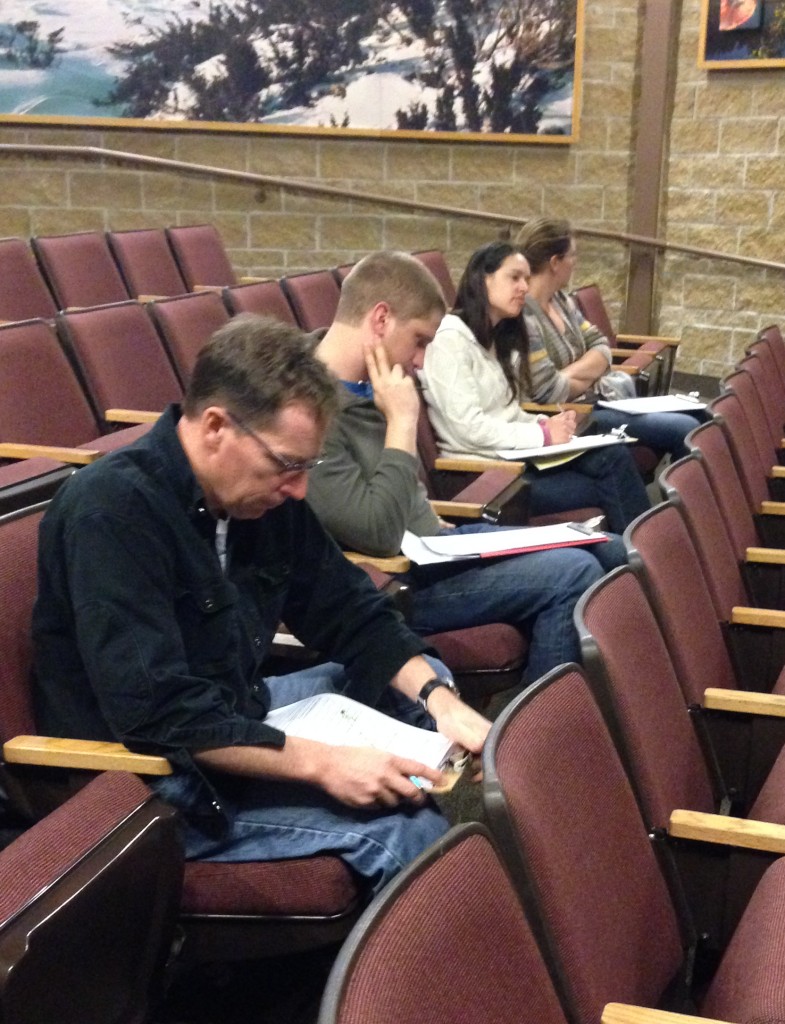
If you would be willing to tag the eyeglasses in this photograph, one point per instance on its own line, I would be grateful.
(284, 465)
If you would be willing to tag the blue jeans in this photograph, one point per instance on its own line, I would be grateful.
(537, 591)
(605, 478)
(273, 820)
(663, 431)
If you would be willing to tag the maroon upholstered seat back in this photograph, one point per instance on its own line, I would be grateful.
(313, 297)
(18, 560)
(710, 440)
(762, 366)
(660, 543)
(743, 447)
(625, 656)
(743, 384)
(80, 269)
(456, 911)
(186, 323)
(146, 262)
(88, 903)
(263, 297)
(121, 357)
(686, 483)
(556, 793)
(434, 260)
(588, 298)
(23, 292)
(201, 256)
(772, 337)
(41, 401)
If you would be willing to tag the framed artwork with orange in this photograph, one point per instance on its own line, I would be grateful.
(740, 34)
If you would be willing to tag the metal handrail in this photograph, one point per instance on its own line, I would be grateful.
(296, 185)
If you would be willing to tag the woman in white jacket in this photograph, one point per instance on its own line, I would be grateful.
(476, 374)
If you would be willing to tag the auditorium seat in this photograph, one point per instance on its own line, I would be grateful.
(88, 906)
(79, 269)
(434, 260)
(454, 914)
(660, 353)
(46, 405)
(263, 297)
(557, 800)
(200, 254)
(23, 291)
(313, 297)
(670, 758)
(186, 323)
(146, 262)
(120, 358)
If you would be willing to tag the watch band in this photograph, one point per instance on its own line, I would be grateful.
(433, 684)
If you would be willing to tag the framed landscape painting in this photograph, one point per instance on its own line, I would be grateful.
(738, 34)
(495, 70)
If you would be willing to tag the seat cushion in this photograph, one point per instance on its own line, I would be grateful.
(311, 886)
(491, 648)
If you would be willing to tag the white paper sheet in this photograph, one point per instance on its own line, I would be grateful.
(656, 403)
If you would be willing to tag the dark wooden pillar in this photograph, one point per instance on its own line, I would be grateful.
(652, 117)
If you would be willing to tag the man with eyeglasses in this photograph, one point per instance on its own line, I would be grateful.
(164, 572)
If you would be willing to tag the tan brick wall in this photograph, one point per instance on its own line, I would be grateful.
(725, 188)
(725, 191)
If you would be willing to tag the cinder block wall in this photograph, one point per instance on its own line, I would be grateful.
(725, 188)
(725, 191)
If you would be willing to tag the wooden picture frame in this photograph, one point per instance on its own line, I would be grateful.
(741, 34)
(484, 70)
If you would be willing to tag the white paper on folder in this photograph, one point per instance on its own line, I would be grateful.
(577, 444)
(446, 548)
(656, 403)
(341, 721)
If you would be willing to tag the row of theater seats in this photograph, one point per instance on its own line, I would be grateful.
(635, 809)
(92, 268)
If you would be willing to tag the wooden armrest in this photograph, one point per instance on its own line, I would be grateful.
(551, 408)
(765, 556)
(633, 371)
(394, 563)
(777, 472)
(769, 617)
(643, 338)
(459, 509)
(208, 288)
(622, 1013)
(255, 280)
(77, 456)
(718, 828)
(131, 416)
(772, 508)
(745, 702)
(621, 353)
(91, 754)
(151, 298)
(476, 464)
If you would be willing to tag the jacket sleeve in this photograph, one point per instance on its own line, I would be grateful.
(333, 606)
(470, 403)
(366, 512)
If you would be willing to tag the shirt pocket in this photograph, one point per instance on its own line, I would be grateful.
(207, 614)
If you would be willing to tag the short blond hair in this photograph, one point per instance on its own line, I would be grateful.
(397, 278)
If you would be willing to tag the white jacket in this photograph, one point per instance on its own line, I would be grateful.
(468, 396)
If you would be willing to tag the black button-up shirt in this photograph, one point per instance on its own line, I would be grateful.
(141, 637)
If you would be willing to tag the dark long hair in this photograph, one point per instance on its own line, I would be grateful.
(509, 335)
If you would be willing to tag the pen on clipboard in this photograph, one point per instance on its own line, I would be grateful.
(692, 396)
